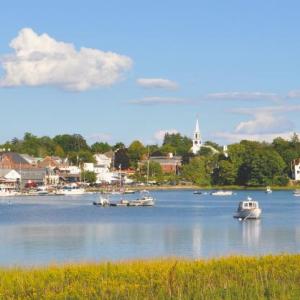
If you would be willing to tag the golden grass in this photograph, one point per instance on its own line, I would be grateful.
(268, 277)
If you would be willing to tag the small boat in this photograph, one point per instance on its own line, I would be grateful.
(222, 193)
(145, 200)
(268, 190)
(102, 202)
(42, 191)
(296, 193)
(197, 192)
(248, 209)
(72, 190)
(129, 192)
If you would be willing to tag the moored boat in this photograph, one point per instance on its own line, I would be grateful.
(248, 209)
(222, 193)
(71, 190)
(268, 190)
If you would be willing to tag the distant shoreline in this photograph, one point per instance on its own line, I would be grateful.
(196, 187)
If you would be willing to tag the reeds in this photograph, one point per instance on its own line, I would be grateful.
(268, 277)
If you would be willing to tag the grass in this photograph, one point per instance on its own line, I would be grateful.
(268, 277)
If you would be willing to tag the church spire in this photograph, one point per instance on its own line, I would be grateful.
(197, 143)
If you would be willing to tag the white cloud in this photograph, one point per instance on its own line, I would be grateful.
(243, 96)
(157, 83)
(160, 134)
(158, 101)
(264, 123)
(294, 94)
(41, 60)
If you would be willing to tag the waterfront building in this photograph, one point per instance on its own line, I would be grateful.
(13, 160)
(169, 163)
(9, 179)
(197, 142)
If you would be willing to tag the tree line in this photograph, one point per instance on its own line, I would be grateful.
(248, 163)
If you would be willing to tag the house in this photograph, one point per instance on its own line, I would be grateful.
(33, 161)
(169, 163)
(296, 169)
(13, 160)
(34, 176)
(9, 179)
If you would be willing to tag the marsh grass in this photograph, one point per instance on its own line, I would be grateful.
(268, 277)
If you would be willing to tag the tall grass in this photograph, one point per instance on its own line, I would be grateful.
(269, 277)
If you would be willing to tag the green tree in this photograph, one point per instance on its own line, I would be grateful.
(89, 176)
(136, 150)
(71, 143)
(180, 144)
(225, 173)
(121, 159)
(100, 147)
(196, 171)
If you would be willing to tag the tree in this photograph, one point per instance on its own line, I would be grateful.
(89, 176)
(135, 152)
(261, 167)
(180, 144)
(225, 173)
(121, 159)
(71, 143)
(100, 147)
(196, 171)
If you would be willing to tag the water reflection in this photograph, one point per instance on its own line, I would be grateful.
(251, 232)
(58, 230)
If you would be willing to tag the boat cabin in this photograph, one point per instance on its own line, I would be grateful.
(249, 204)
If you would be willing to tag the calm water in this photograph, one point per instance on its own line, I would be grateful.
(40, 230)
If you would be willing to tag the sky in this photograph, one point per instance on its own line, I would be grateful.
(124, 70)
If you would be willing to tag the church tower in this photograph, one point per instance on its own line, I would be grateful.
(197, 143)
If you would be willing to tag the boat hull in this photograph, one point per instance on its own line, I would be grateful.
(248, 214)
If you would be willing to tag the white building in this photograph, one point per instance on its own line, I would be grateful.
(197, 142)
(296, 169)
(102, 170)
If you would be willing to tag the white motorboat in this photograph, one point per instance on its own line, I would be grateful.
(296, 193)
(72, 190)
(222, 193)
(145, 200)
(268, 190)
(248, 209)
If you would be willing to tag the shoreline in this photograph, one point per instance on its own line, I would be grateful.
(196, 187)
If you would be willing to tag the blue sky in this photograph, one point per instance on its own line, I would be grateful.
(232, 63)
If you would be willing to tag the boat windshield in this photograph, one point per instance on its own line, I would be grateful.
(248, 204)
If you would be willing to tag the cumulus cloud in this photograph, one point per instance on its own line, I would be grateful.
(264, 124)
(160, 134)
(157, 83)
(243, 96)
(159, 101)
(41, 60)
(294, 94)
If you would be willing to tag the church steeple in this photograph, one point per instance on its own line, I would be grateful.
(196, 139)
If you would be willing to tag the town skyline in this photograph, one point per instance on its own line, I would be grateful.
(118, 73)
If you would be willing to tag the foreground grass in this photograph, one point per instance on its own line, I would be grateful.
(269, 277)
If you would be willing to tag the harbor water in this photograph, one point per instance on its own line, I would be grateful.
(60, 229)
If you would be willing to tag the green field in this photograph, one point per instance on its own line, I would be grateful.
(269, 277)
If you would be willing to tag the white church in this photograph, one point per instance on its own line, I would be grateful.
(197, 142)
